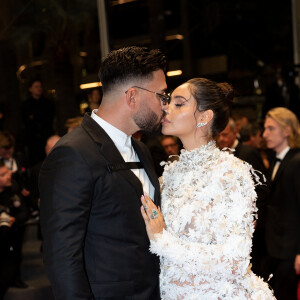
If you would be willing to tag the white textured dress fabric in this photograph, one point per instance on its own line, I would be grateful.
(208, 202)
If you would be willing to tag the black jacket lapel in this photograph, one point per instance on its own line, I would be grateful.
(148, 166)
(109, 151)
(284, 162)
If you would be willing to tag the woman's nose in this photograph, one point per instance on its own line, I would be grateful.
(165, 108)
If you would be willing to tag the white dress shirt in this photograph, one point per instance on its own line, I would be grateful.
(11, 164)
(280, 157)
(123, 144)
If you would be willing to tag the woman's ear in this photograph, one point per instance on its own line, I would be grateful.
(206, 116)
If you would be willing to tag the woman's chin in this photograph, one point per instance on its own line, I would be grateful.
(165, 130)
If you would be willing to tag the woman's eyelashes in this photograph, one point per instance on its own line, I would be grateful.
(178, 104)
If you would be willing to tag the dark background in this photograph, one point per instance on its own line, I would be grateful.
(239, 41)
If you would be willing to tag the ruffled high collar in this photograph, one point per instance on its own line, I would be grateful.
(198, 153)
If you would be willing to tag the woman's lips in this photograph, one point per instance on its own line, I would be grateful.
(165, 120)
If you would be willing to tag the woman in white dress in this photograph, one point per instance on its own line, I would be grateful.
(203, 231)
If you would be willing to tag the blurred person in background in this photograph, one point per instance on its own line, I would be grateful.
(171, 146)
(240, 120)
(35, 170)
(6, 257)
(94, 100)
(34, 184)
(282, 222)
(13, 206)
(16, 162)
(228, 139)
(251, 135)
(38, 115)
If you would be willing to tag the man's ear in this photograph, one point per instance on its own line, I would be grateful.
(287, 131)
(131, 97)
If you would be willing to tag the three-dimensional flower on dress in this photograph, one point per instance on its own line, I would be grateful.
(208, 202)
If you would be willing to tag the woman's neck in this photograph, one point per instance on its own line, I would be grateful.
(190, 144)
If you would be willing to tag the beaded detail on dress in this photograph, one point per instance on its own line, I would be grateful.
(208, 202)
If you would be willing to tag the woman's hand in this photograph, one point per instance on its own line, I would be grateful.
(152, 216)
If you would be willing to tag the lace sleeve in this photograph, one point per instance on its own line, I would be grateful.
(217, 238)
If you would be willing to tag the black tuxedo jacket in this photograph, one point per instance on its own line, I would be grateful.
(251, 156)
(95, 241)
(283, 209)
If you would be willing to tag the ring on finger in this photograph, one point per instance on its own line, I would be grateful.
(154, 214)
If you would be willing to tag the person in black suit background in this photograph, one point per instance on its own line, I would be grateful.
(38, 115)
(16, 162)
(95, 240)
(11, 202)
(282, 134)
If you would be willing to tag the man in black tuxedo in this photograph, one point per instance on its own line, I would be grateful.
(282, 134)
(91, 183)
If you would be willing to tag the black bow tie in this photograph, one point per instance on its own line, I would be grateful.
(278, 159)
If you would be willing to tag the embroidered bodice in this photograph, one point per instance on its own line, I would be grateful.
(208, 203)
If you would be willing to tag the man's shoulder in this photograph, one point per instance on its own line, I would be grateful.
(294, 158)
(77, 139)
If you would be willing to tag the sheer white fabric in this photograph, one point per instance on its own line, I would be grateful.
(208, 202)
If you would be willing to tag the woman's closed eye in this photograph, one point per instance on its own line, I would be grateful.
(179, 104)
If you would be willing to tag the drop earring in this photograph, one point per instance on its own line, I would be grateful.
(201, 124)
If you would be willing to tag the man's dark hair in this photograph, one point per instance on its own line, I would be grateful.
(129, 63)
(33, 80)
(249, 130)
(7, 140)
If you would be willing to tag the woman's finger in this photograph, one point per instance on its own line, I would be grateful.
(144, 215)
(149, 202)
(146, 207)
(147, 199)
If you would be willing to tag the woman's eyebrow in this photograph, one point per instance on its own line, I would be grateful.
(180, 97)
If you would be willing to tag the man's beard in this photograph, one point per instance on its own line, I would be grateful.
(147, 120)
